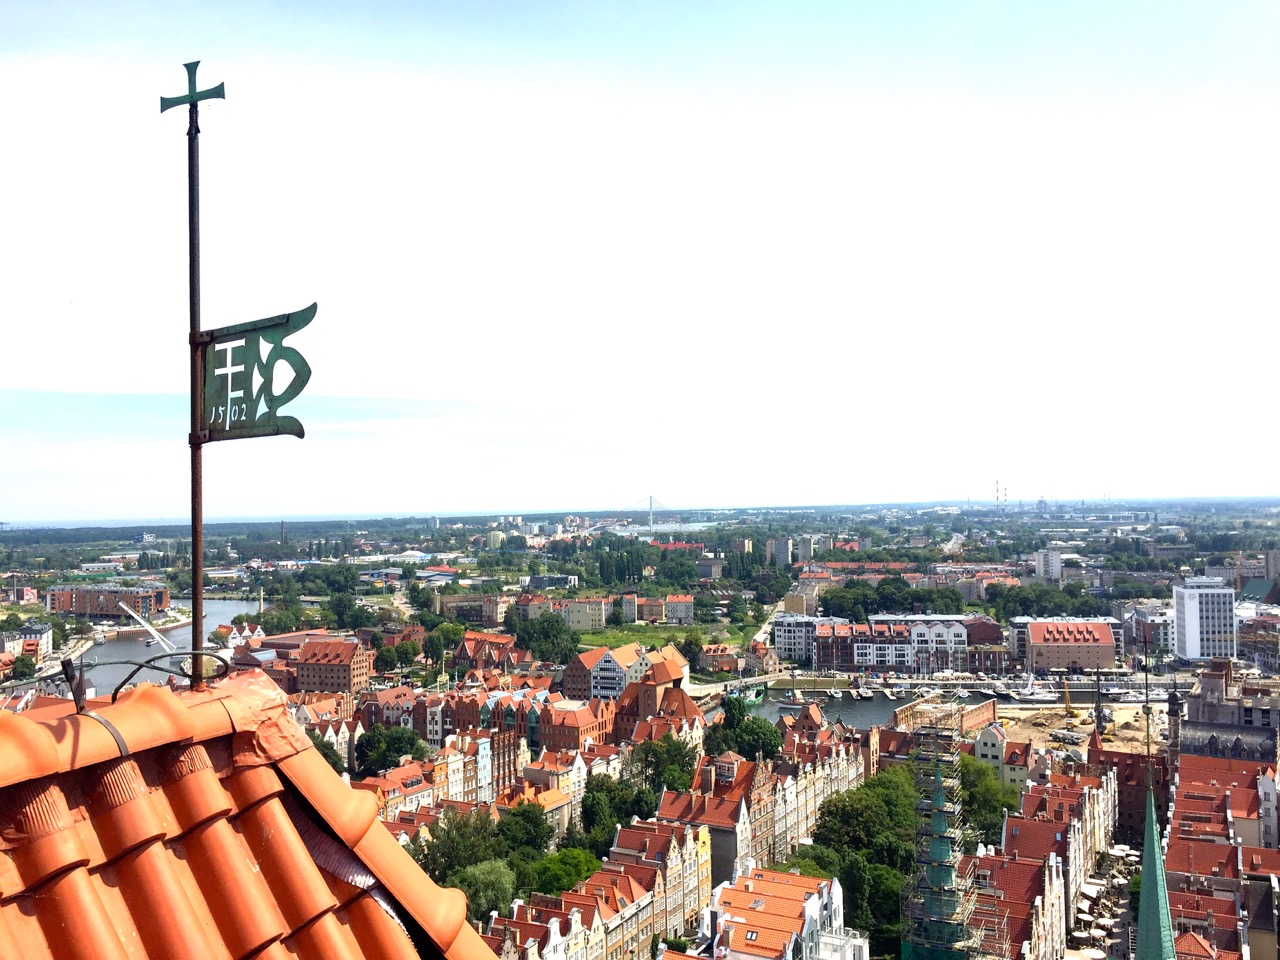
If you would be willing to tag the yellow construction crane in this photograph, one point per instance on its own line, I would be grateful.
(1066, 699)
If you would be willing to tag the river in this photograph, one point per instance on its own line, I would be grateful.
(854, 713)
(105, 675)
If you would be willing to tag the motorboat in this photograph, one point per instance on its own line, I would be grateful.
(1115, 691)
(834, 693)
(987, 692)
(1000, 690)
(751, 696)
(889, 694)
(960, 693)
(866, 693)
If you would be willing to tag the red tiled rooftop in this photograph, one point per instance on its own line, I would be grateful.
(1202, 857)
(201, 824)
(1072, 632)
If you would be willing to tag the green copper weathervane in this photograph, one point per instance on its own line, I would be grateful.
(233, 369)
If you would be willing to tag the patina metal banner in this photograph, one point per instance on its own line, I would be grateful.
(249, 374)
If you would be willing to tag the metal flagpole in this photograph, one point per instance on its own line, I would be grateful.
(196, 438)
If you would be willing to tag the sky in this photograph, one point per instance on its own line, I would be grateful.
(568, 255)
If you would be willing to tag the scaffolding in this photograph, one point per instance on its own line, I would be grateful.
(944, 918)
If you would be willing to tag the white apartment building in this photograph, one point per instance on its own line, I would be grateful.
(938, 641)
(1049, 565)
(1204, 611)
(588, 614)
(793, 635)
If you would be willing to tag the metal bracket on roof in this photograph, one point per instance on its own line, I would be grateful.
(111, 729)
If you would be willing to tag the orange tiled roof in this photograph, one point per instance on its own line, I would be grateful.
(196, 824)
(1049, 632)
(328, 651)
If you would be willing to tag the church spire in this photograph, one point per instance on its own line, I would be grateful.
(1155, 928)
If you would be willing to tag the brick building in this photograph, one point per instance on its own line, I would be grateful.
(103, 600)
(334, 666)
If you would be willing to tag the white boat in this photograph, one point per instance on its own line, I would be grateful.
(987, 691)
(99, 640)
(1033, 692)
(889, 694)
(866, 693)
(834, 694)
(1114, 691)
(960, 693)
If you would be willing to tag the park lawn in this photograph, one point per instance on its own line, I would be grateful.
(23, 610)
(651, 636)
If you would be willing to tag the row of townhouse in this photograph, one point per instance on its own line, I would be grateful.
(605, 672)
(656, 882)
(765, 914)
(342, 735)
(33, 639)
(591, 613)
(1071, 816)
(919, 643)
(540, 718)
(1021, 905)
(761, 809)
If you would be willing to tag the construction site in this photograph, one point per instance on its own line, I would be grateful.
(1042, 725)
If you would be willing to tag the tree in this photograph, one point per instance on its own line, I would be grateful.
(525, 829)
(24, 667)
(347, 614)
(644, 804)
(489, 885)
(548, 638)
(878, 819)
(328, 751)
(757, 735)
(719, 739)
(11, 622)
(382, 747)
(691, 649)
(385, 660)
(984, 799)
(406, 652)
(458, 840)
(735, 711)
(563, 870)
(1135, 895)
(662, 764)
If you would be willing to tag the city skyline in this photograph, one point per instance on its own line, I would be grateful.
(572, 253)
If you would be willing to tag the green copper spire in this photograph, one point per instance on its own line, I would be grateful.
(1155, 929)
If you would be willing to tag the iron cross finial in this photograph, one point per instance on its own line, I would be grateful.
(192, 96)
